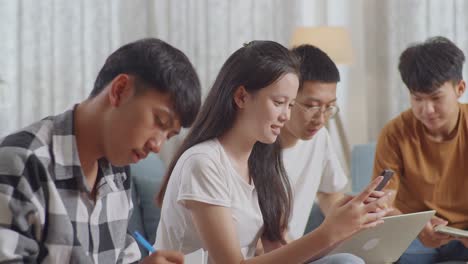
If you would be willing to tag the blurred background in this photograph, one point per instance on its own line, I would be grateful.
(51, 50)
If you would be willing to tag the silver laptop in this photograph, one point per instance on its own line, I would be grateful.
(388, 241)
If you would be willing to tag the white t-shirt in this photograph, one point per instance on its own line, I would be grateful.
(204, 173)
(312, 165)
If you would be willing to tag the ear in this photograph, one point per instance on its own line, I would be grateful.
(240, 96)
(119, 89)
(460, 88)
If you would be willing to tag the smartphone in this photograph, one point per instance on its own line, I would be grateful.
(387, 174)
(455, 232)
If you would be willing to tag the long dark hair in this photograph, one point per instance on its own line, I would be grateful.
(254, 66)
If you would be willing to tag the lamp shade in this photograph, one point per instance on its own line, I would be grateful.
(334, 41)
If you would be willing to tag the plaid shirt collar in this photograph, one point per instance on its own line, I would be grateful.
(65, 153)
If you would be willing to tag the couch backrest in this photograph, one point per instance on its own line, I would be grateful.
(146, 177)
(362, 164)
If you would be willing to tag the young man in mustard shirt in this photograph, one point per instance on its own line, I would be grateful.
(426, 146)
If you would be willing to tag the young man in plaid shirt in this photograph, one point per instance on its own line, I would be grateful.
(64, 191)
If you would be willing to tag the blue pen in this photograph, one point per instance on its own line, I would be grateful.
(140, 239)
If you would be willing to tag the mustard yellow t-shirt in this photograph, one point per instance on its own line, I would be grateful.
(428, 174)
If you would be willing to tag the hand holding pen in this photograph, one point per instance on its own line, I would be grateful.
(160, 256)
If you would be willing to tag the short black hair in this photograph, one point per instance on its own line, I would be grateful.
(316, 65)
(156, 65)
(424, 67)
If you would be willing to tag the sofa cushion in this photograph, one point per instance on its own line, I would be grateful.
(146, 177)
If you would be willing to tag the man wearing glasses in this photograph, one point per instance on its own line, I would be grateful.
(308, 154)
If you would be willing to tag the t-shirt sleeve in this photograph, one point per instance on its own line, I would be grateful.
(387, 156)
(333, 177)
(203, 179)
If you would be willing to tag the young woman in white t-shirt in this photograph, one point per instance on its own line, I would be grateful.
(227, 188)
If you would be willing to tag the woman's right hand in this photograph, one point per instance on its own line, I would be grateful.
(353, 214)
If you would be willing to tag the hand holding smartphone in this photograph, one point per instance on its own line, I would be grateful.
(387, 174)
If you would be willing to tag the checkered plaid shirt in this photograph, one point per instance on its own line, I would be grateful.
(46, 213)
